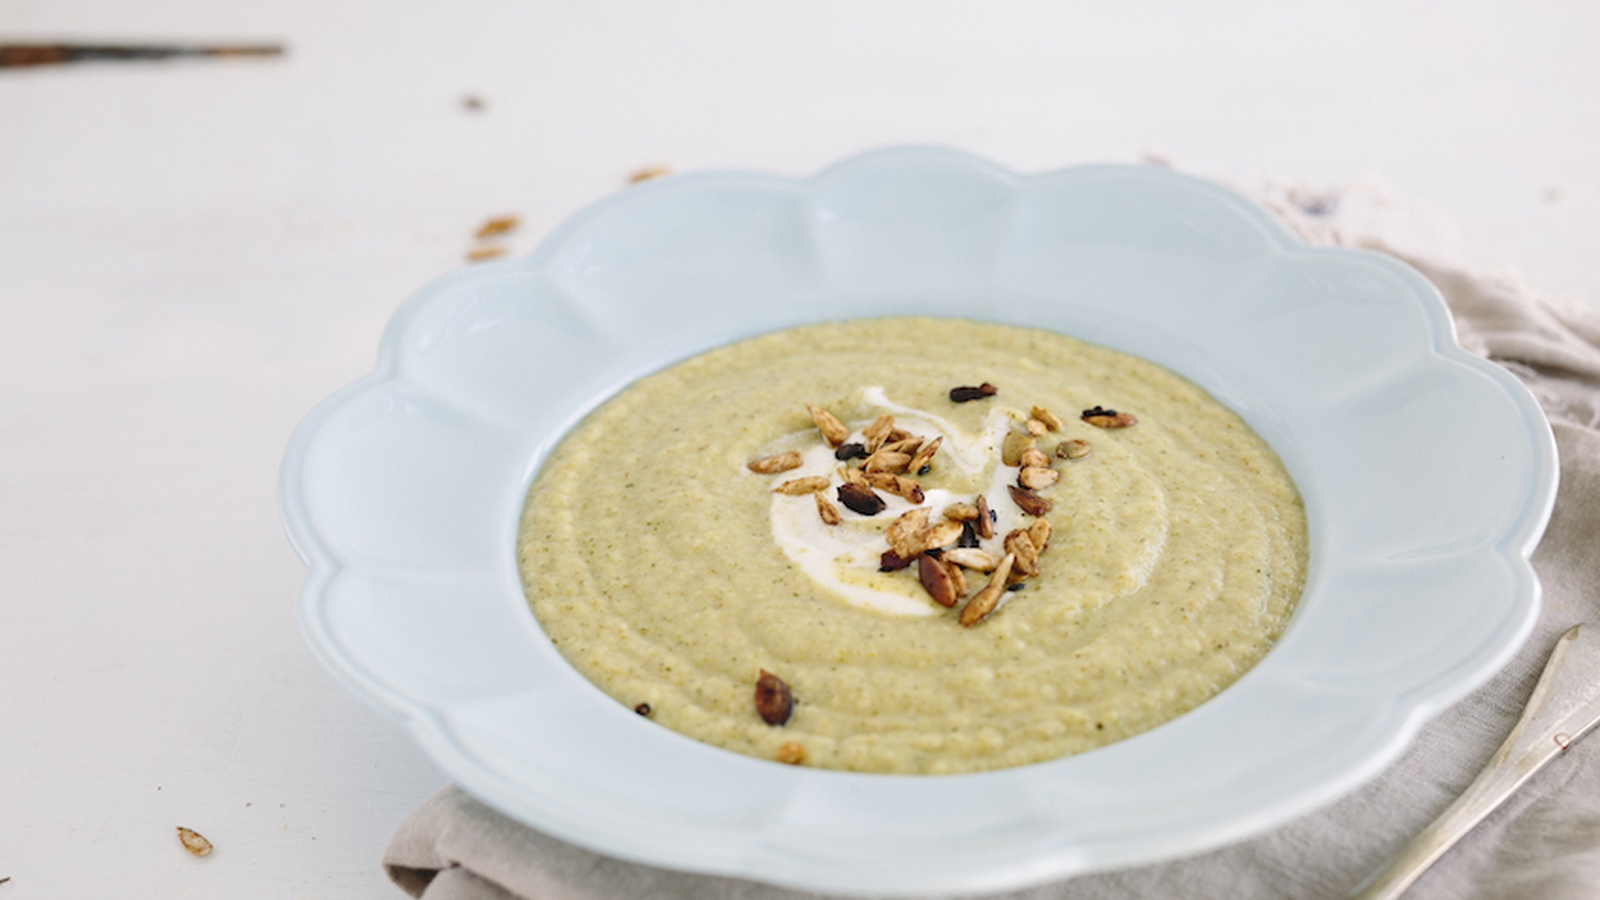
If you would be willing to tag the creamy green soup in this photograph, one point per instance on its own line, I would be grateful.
(678, 543)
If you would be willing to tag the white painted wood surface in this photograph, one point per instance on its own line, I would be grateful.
(193, 254)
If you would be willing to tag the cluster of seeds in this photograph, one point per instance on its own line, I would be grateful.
(943, 549)
(946, 548)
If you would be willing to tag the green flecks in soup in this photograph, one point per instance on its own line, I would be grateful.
(1064, 546)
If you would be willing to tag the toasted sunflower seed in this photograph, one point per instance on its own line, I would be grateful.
(958, 577)
(772, 465)
(907, 445)
(1036, 477)
(1018, 544)
(940, 534)
(1033, 457)
(924, 456)
(984, 602)
(799, 487)
(961, 512)
(902, 532)
(876, 434)
(887, 461)
(899, 485)
(193, 841)
(774, 702)
(972, 558)
(1031, 503)
(984, 524)
(827, 511)
(1050, 419)
(833, 430)
(1039, 533)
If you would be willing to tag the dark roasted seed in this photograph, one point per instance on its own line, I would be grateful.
(891, 561)
(936, 579)
(1031, 503)
(861, 499)
(986, 518)
(969, 536)
(852, 450)
(774, 702)
(643, 709)
(967, 393)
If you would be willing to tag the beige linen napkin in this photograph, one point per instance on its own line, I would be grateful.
(1544, 843)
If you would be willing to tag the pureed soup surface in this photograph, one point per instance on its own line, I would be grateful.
(673, 574)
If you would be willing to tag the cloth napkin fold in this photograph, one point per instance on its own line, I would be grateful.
(1545, 842)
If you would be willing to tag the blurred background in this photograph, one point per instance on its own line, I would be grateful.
(193, 252)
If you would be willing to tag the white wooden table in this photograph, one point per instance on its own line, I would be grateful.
(193, 254)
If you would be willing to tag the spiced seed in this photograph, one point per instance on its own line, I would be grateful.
(1018, 544)
(985, 520)
(860, 498)
(1039, 533)
(852, 450)
(939, 535)
(1037, 477)
(961, 512)
(899, 485)
(826, 510)
(887, 461)
(1033, 457)
(958, 577)
(791, 753)
(966, 394)
(902, 532)
(984, 602)
(969, 535)
(1050, 419)
(1030, 502)
(935, 578)
(194, 842)
(774, 701)
(833, 430)
(924, 456)
(909, 446)
(772, 465)
(876, 434)
(799, 487)
(890, 561)
(972, 558)
(1108, 418)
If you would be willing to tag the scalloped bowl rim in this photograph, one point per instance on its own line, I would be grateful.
(804, 838)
